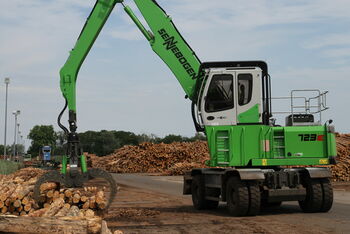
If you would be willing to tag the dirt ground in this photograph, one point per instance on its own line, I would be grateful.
(141, 211)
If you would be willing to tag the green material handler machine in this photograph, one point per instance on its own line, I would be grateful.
(253, 161)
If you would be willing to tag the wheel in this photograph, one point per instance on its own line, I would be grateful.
(327, 195)
(254, 198)
(198, 194)
(314, 196)
(237, 195)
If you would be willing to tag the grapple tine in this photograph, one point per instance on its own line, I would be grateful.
(99, 173)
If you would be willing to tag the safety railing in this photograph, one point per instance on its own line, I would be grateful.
(311, 102)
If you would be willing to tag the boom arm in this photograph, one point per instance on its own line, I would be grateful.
(164, 39)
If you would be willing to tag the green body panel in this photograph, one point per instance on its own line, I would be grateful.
(170, 46)
(260, 145)
(250, 116)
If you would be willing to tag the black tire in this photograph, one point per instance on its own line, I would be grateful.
(327, 195)
(198, 194)
(237, 195)
(212, 192)
(254, 198)
(314, 196)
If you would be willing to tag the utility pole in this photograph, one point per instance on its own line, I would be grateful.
(18, 140)
(7, 82)
(16, 113)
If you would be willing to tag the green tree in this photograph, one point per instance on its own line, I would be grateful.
(125, 138)
(172, 138)
(60, 143)
(100, 143)
(198, 137)
(41, 135)
(8, 149)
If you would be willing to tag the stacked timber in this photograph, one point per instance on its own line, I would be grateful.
(16, 197)
(341, 171)
(172, 158)
(177, 158)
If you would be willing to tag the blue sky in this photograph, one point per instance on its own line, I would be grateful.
(123, 85)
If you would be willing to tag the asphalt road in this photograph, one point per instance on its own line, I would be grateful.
(335, 221)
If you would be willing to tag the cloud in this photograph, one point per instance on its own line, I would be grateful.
(127, 33)
(338, 53)
(342, 39)
(257, 13)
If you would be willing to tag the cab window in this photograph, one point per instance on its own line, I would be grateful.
(220, 93)
(245, 87)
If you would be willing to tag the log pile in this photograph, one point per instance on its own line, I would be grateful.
(341, 171)
(172, 158)
(16, 197)
(20, 224)
(177, 158)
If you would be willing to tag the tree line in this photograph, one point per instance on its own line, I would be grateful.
(96, 142)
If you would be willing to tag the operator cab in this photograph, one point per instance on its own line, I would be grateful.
(234, 93)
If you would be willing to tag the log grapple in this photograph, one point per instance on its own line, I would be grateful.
(75, 173)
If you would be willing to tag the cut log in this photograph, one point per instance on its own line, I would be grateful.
(68, 193)
(26, 190)
(28, 207)
(100, 197)
(104, 228)
(54, 208)
(63, 211)
(50, 193)
(17, 203)
(76, 198)
(73, 211)
(92, 202)
(89, 213)
(56, 194)
(25, 201)
(20, 208)
(38, 225)
(14, 195)
(38, 213)
(62, 195)
(4, 210)
(86, 205)
(48, 186)
(23, 213)
(7, 202)
(84, 198)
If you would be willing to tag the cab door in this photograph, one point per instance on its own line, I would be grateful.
(249, 96)
(218, 99)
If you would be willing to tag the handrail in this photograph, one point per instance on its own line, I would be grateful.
(309, 106)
